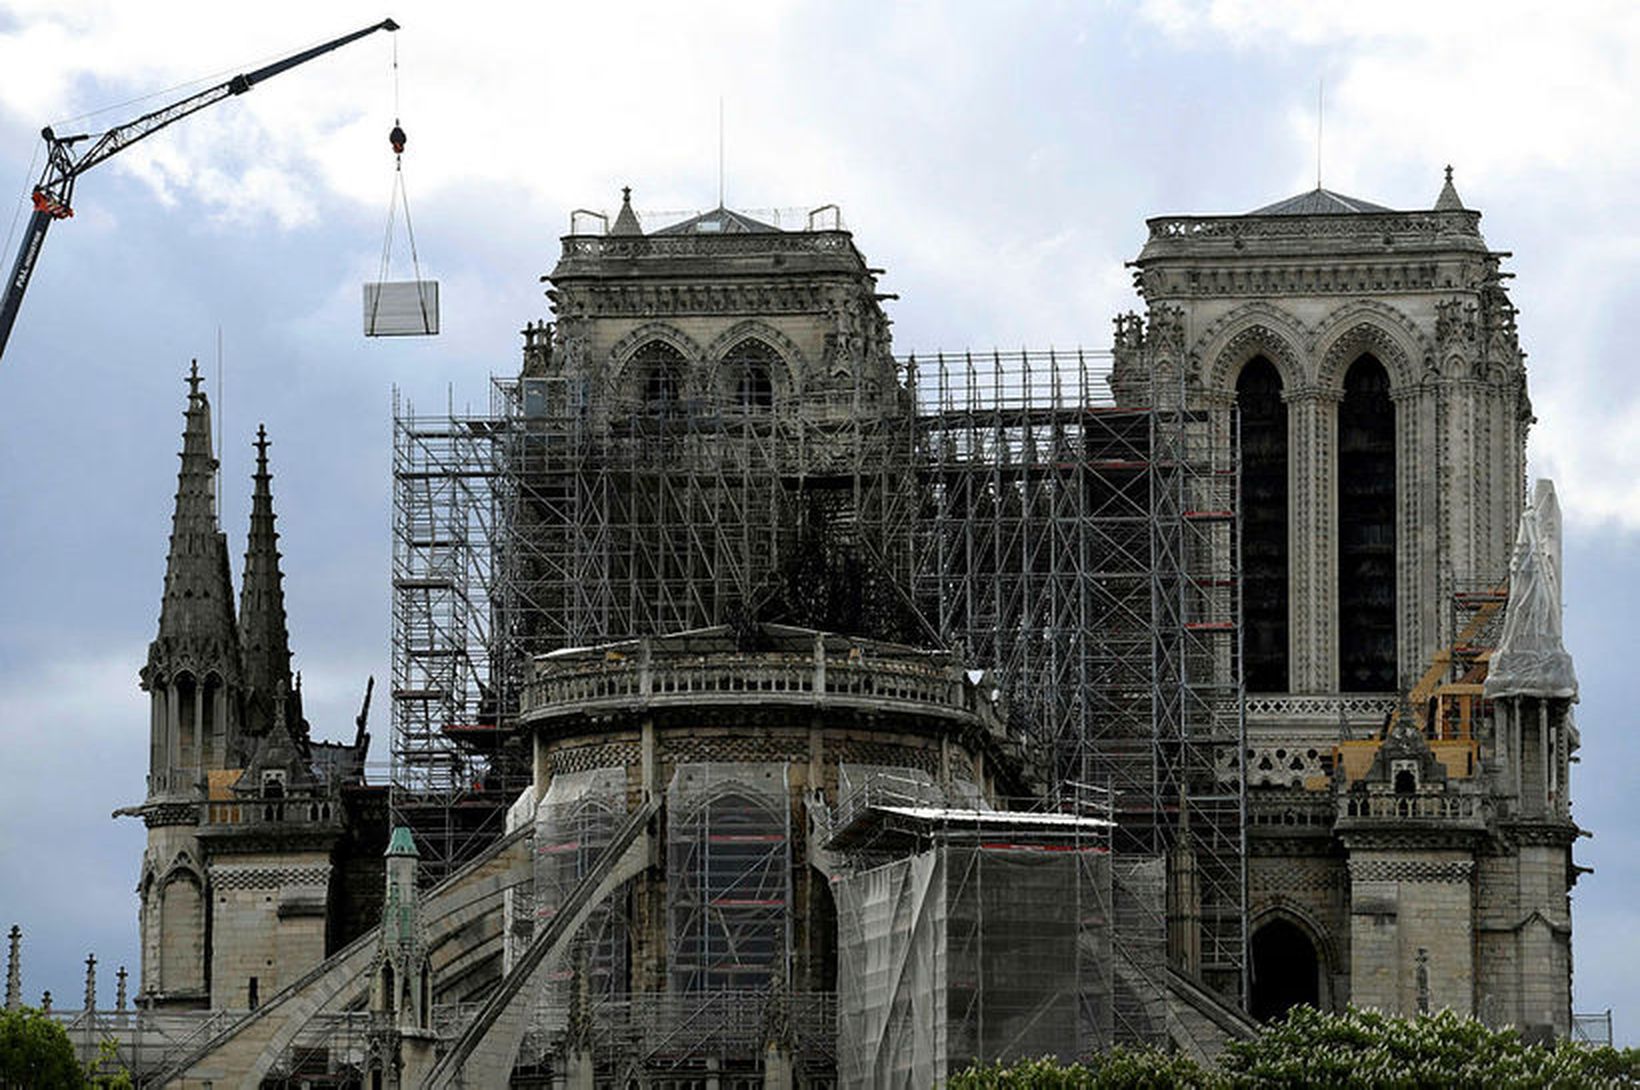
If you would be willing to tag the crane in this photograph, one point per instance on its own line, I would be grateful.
(55, 191)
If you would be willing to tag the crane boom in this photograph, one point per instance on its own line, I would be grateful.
(53, 196)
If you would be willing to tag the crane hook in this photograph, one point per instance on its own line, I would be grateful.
(397, 138)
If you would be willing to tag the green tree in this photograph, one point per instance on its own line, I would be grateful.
(1355, 1050)
(106, 1072)
(1118, 1069)
(1364, 1048)
(35, 1053)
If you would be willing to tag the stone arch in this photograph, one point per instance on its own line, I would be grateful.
(1256, 329)
(1364, 327)
(621, 353)
(1282, 912)
(182, 925)
(783, 346)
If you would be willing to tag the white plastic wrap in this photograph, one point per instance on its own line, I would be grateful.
(1531, 659)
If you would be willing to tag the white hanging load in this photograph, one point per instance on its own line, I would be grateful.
(399, 308)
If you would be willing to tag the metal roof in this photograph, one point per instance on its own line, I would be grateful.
(1318, 202)
(719, 221)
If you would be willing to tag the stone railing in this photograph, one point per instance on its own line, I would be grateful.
(1445, 807)
(1370, 225)
(715, 245)
(310, 810)
(1290, 810)
(746, 679)
(1321, 707)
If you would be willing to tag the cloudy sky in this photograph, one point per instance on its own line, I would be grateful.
(997, 159)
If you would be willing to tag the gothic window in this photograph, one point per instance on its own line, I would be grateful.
(575, 836)
(182, 927)
(187, 696)
(729, 901)
(1366, 531)
(748, 370)
(1264, 526)
(208, 757)
(658, 372)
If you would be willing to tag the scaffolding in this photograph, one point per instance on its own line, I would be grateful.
(1004, 506)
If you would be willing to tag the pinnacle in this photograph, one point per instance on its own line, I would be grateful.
(626, 222)
(198, 602)
(263, 631)
(1449, 200)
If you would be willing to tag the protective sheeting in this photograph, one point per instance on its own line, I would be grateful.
(1139, 950)
(973, 952)
(1531, 659)
(575, 821)
(517, 903)
(891, 974)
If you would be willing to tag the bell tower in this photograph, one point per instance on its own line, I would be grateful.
(1373, 356)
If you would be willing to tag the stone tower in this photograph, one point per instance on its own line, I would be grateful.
(195, 680)
(244, 811)
(401, 988)
(772, 340)
(1408, 842)
(1384, 413)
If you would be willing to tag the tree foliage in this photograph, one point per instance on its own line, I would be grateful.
(1118, 1069)
(35, 1053)
(1364, 1048)
(1355, 1050)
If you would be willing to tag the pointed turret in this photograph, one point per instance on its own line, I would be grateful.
(196, 615)
(626, 221)
(1449, 200)
(193, 668)
(264, 635)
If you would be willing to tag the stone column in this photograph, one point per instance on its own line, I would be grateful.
(1312, 539)
(1421, 557)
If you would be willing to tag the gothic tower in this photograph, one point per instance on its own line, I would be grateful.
(244, 812)
(194, 681)
(1382, 390)
(1408, 838)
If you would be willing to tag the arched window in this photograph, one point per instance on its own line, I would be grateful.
(1263, 526)
(748, 371)
(1366, 531)
(727, 876)
(1286, 970)
(657, 371)
(184, 754)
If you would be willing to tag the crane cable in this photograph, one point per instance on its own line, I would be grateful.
(17, 212)
(400, 197)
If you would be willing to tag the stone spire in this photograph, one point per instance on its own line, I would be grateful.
(90, 983)
(263, 633)
(119, 989)
(14, 968)
(196, 621)
(1448, 201)
(626, 221)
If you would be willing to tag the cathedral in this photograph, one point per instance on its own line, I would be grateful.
(816, 690)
